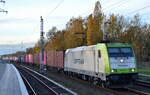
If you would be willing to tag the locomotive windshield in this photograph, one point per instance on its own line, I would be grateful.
(120, 52)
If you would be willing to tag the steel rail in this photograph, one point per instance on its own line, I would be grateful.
(30, 87)
(51, 81)
(137, 91)
(50, 89)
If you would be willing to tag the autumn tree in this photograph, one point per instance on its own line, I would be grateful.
(51, 33)
(75, 33)
(94, 23)
(57, 43)
(112, 28)
(98, 21)
(89, 31)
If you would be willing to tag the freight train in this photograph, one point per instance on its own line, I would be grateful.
(107, 64)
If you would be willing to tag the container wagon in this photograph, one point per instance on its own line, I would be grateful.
(36, 58)
(55, 59)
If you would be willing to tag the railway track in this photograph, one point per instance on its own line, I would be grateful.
(28, 85)
(39, 85)
(136, 90)
(126, 91)
(121, 91)
(139, 88)
(105, 89)
(142, 87)
(36, 86)
(143, 83)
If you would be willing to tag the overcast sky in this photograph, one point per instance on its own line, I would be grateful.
(22, 22)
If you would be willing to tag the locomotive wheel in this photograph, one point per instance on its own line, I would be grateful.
(105, 84)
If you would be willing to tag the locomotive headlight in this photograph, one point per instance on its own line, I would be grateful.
(121, 60)
(132, 70)
(112, 70)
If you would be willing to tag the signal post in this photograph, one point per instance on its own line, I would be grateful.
(42, 65)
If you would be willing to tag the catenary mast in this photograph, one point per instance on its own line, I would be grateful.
(42, 67)
(2, 10)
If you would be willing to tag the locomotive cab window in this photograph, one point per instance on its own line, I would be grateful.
(126, 51)
(99, 53)
(120, 52)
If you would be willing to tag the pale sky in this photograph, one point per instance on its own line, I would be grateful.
(22, 23)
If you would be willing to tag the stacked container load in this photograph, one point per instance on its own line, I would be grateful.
(51, 58)
(59, 59)
(26, 59)
(55, 59)
(36, 58)
(30, 58)
(45, 58)
(22, 59)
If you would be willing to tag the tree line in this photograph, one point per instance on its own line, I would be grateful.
(89, 31)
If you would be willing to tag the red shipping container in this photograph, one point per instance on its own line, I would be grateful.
(36, 58)
(50, 58)
(26, 58)
(30, 58)
(59, 59)
(55, 58)
(45, 58)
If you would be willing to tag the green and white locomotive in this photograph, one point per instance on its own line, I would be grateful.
(108, 64)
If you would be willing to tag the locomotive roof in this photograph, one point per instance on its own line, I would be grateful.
(118, 45)
(92, 46)
(81, 48)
